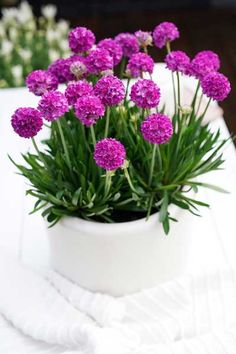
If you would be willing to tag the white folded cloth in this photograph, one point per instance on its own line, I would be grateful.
(42, 312)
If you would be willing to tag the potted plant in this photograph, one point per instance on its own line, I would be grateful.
(28, 43)
(116, 170)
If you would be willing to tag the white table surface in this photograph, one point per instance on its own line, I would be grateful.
(25, 236)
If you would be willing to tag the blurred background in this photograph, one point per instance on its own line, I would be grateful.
(203, 24)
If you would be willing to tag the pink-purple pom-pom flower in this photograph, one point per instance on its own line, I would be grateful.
(178, 61)
(89, 109)
(144, 38)
(145, 94)
(61, 69)
(165, 32)
(109, 154)
(81, 39)
(140, 63)
(41, 81)
(129, 43)
(110, 90)
(27, 122)
(76, 89)
(113, 48)
(99, 60)
(157, 129)
(53, 105)
(203, 63)
(216, 86)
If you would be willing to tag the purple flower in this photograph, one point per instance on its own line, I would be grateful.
(113, 48)
(81, 39)
(27, 122)
(144, 38)
(61, 69)
(140, 63)
(128, 42)
(53, 105)
(178, 61)
(41, 81)
(78, 69)
(99, 60)
(216, 86)
(145, 94)
(89, 109)
(110, 90)
(157, 128)
(203, 63)
(76, 89)
(109, 154)
(165, 32)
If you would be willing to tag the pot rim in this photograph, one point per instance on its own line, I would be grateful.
(88, 226)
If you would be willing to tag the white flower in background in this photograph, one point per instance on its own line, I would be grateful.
(52, 36)
(13, 34)
(24, 13)
(49, 11)
(53, 55)
(63, 44)
(2, 31)
(6, 48)
(63, 26)
(29, 36)
(25, 54)
(30, 25)
(9, 15)
(17, 72)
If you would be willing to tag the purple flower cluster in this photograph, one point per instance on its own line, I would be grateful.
(140, 63)
(53, 105)
(27, 122)
(157, 128)
(145, 94)
(128, 43)
(165, 32)
(203, 63)
(216, 86)
(89, 109)
(41, 81)
(81, 40)
(99, 60)
(61, 69)
(144, 38)
(113, 48)
(178, 61)
(110, 90)
(109, 154)
(76, 89)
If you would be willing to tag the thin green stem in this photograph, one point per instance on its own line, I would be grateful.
(127, 90)
(93, 134)
(64, 144)
(159, 157)
(178, 85)
(122, 67)
(107, 183)
(195, 95)
(152, 164)
(39, 153)
(199, 104)
(126, 172)
(107, 122)
(208, 103)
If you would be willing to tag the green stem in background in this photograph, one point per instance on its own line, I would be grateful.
(172, 77)
(108, 182)
(39, 153)
(127, 90)
(178, 84)
(195, 95)
(122, 67)
(107, 122)
(93, 134)
(199, 104)
(152, 164)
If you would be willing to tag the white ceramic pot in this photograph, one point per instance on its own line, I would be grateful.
(118, 258)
